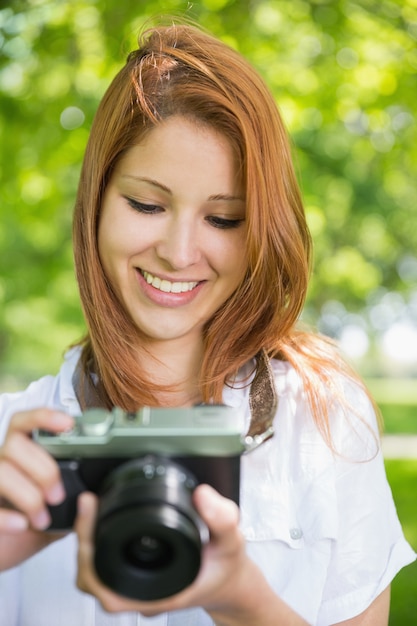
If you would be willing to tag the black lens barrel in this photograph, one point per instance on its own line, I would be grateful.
(148, 534)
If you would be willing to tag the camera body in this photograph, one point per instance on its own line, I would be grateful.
(144, 467)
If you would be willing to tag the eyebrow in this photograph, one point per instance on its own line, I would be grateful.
(150, 181)
(225, 197)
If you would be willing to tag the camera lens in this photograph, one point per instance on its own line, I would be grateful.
(148, 535)
(148, 552)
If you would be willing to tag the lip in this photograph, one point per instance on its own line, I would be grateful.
(168, 299)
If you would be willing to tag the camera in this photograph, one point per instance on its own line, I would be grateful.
(144, 467)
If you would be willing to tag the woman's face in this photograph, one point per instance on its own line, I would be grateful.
(172, 229)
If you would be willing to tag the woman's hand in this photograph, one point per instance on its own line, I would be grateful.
(229, 585)
(29, 481)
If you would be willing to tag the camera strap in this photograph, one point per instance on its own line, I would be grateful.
(263, 399)
(263, 403)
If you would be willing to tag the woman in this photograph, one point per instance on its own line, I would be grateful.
(192, 255)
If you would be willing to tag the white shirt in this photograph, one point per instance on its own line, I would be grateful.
(322, 527)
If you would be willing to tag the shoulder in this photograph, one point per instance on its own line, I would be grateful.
(352, 423)
(49, 391)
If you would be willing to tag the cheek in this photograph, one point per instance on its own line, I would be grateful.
(117, 240)
(112, 251)
(231, 260)
(106, 245)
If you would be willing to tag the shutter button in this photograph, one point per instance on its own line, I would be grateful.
(96, 423)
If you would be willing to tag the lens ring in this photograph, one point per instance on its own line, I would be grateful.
(133, 578)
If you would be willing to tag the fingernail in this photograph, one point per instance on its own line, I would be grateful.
(41, 520)
(16, 523)
(56, 494)
(209, 501)
(81, 507)
(85, 504)
(65, 421)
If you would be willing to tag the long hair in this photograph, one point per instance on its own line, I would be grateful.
(180, 70)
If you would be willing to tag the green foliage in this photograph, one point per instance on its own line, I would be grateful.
(399, 418)
(344, 75)
(402, 476)
(397, 400)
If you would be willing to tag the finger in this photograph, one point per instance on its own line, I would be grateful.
(24, 495)
(12, 522)
(45, 419)
(87, 506)
(84, 527)
(36, 464)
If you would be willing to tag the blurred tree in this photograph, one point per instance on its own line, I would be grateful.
(344, 75)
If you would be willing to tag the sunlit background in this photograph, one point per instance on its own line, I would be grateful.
(344, 76)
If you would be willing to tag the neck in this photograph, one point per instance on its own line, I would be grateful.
(176, 366)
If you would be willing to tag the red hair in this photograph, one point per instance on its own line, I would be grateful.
(180, 70)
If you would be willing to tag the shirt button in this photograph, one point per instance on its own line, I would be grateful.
(296, 533)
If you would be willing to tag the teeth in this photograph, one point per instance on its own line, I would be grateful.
(166, 285)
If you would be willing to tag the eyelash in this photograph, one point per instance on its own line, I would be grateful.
(148, 209)
(221, 222)
(152, 209)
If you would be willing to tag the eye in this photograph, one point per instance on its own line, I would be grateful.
(222, 222)
(142, 207)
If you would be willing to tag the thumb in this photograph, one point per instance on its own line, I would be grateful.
(219, 513)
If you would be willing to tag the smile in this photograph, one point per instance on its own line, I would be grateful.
(166, 285)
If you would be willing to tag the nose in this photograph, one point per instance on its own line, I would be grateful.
(179, 246)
